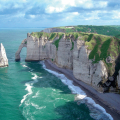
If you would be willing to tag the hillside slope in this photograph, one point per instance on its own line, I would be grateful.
(104, 30)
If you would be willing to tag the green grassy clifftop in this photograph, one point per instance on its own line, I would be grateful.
(101, 46)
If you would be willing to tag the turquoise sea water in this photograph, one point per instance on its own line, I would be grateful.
(30, 92)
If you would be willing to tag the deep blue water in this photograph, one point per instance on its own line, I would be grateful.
(30, 92)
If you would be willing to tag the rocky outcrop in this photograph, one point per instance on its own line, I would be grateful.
(3, 57)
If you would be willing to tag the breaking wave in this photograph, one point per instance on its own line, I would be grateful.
(29, 86)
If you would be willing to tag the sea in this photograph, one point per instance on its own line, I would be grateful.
(29, 91)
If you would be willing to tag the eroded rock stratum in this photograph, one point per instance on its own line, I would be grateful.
(93, 58)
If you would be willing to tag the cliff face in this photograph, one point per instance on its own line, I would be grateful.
(64, 56)
(71, 52)
(84, 70)
(3, 57)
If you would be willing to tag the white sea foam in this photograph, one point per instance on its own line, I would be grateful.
(62, 99)
(37, 107)
(81, 95)
(53, 89)
(29, 89)
(29, 86)
(24, 66)
(36, 95)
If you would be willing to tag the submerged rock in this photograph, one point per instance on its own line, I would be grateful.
(3, 57)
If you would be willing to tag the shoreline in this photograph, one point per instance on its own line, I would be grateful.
(109, 101)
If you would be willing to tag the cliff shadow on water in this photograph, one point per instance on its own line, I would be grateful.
(73, 111)
(45, 79)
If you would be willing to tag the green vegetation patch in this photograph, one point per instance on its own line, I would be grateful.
(72, 46)
(90, 44)
(56, 43)
(90, 37)
(37, 34)
(25, 42)
(67, 30)
(94, 53)
(100, 52)
(40, 34)
(104, 49)
(105, 30)
(118, 36)
(52, 36)
(75, 35)
(46, 34)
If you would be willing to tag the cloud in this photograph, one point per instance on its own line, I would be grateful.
(102, 4)
(75, 13)
(51, 9)
(32, 16)
(116, 15)
(93, 16)
(59, 12)
(66, 4)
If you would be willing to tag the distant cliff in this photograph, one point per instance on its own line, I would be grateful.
(3, 57)
(93, 58)
(50, 30)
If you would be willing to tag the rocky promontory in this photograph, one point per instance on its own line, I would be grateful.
(93, 58)
(3, 57)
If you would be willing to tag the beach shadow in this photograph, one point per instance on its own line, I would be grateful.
(73, 111)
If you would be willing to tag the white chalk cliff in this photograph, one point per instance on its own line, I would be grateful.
(75, 59)
(3, 57)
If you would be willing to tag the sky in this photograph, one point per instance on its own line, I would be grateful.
(54, 13)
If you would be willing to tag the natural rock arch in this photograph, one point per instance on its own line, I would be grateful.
(17, 54)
